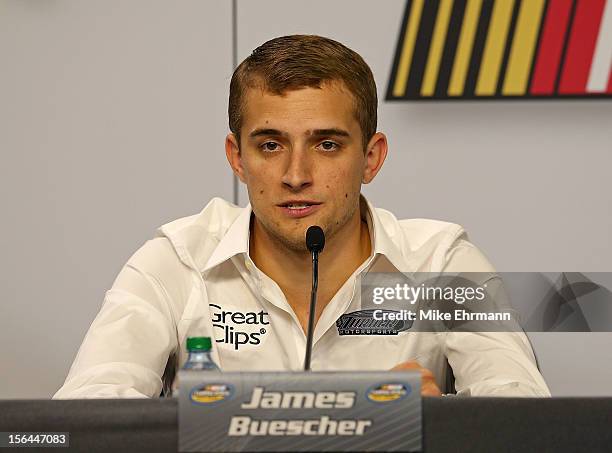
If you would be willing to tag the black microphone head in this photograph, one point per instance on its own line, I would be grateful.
(315, 238)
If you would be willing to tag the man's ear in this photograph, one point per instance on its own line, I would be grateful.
(234, 157)
(375, 155)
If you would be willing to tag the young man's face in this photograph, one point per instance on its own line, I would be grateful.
(302, 159)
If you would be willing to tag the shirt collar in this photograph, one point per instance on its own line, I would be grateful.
(236, 239)
(234, 242)
(383, 238)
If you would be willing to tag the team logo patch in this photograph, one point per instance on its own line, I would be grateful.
(385, 393)
(503, 49)
(239, 328)
(363, 322)
(211, 393)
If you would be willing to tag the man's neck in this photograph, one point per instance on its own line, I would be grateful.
(292, 270)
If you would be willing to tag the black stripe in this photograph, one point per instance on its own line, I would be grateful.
(398, 51)
(537, 47)
(450, 48)
(509, 40)
(568, 32)
(479, 43)
(421, 49)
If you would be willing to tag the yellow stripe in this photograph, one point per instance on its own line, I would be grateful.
(494, 48)
(464, 48)
(521, 55)
(403, 69)
(437, 47)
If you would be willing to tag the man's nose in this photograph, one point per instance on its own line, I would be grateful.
(298, 171)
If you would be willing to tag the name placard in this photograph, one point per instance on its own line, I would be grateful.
(286, 411)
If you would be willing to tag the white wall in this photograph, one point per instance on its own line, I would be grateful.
(112, 119)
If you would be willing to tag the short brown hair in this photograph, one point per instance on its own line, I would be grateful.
(300, 61)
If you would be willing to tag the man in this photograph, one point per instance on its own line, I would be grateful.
(302, 114)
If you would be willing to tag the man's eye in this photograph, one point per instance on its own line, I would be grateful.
(270, 146)
(328, 146)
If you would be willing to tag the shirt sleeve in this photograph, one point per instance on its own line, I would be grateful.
(126, 349)
(489, 363)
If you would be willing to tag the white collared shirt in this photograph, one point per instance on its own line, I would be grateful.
(197, 279)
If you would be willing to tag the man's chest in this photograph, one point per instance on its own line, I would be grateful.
(256, 334)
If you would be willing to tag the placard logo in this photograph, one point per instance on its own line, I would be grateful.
(239, 328)
(211, 393)
(385, 393)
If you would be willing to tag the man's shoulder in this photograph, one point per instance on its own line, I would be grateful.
(195, 237)
(214, 219)
(417, 232)
(426, 245)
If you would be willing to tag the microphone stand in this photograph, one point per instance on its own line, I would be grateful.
(313, 304)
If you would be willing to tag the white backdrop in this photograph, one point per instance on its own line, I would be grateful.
(112, 119)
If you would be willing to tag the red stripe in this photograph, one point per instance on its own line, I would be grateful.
(551, 46)
(609, 90)
(581, 46)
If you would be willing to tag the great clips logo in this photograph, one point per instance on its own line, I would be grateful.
(239, 328)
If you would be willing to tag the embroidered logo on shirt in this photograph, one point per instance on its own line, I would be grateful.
(239, 328)
(363, 322)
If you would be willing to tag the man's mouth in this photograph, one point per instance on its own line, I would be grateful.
(298, 204)
(299, 208)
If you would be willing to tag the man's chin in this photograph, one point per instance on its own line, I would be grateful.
(291, 233)
(294, 237)
(293, 243)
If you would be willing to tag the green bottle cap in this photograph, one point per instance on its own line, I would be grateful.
(199, 344)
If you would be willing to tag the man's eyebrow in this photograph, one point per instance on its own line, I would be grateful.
(328, 132)
(313, 133)
(267, 132)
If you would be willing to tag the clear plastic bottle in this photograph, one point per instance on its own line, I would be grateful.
(199, 358)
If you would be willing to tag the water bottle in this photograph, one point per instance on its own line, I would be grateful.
(199, 358)
(199, 349)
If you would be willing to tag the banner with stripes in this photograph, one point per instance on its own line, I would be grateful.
(503, 49)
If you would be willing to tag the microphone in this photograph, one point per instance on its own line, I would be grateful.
(315, 241)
